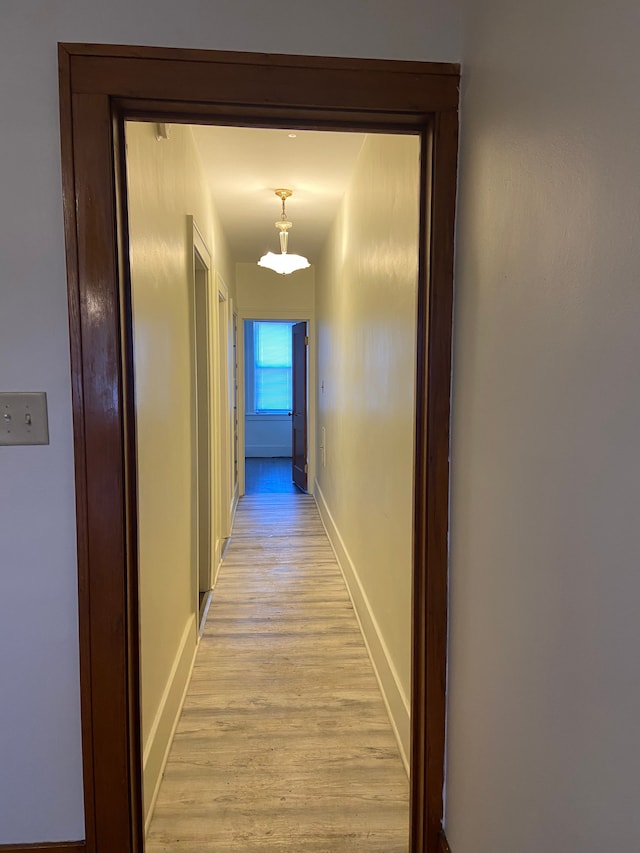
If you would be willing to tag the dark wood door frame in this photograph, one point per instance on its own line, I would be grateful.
(100, 87)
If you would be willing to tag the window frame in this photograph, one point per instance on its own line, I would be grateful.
(251, 367)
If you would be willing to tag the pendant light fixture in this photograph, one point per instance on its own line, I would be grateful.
(283, 263)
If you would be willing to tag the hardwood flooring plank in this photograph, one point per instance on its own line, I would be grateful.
(284, 744)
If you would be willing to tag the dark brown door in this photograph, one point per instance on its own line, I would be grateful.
(299, 405)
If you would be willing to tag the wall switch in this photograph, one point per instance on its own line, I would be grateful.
(23, 418)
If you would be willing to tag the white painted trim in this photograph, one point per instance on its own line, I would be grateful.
(198, 242)
(223, 290)
(200, 249)
(224, 415)
(205, 612)
(163, 729)
(395, 699)
(234, 505)
(235, 415)
(241, 406)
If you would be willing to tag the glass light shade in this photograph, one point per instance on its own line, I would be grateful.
(283, 264)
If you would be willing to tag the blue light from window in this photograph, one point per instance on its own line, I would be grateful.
(272, 359)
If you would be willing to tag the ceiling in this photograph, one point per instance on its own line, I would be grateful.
(245, 165)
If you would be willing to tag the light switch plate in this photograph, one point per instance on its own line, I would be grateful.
(23, 418)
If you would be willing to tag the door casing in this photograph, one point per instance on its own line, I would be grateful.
(289, 316)
(202, 467)
(101, 86)
(300, 412)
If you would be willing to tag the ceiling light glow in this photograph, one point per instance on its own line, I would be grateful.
(283, 263)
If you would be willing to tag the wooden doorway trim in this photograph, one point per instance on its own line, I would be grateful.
(100, 87)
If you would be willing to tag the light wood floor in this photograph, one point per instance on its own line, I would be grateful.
(284, 743)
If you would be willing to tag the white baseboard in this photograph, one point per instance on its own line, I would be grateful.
(394, 696)
(156, 749)
(203, 613)
(234, 507)
(265, 450)
(217, 559)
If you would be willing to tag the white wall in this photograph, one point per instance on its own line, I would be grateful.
(366, 293)
(263, 294)
(166, 187)
(545, 418)
(267, 435)
(40, 722)
(544, 742)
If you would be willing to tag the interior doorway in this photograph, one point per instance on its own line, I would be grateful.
(107, 85)
(275, 406)
(202, 463)
(225, 428)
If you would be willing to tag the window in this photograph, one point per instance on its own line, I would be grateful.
(268, 366)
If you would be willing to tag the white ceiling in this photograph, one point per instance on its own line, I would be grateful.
(245, 165)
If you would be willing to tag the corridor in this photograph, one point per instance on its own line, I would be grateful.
(284, 743)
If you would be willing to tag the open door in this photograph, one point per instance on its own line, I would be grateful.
(300, 342)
